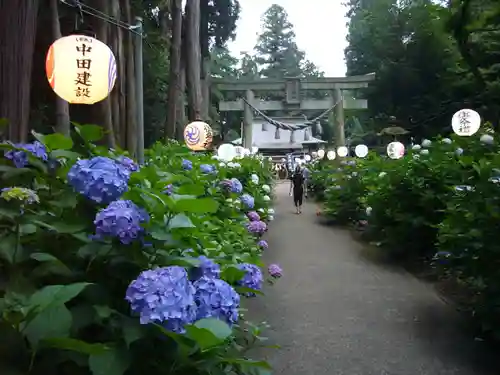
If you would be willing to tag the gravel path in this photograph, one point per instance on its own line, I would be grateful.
(336, 313)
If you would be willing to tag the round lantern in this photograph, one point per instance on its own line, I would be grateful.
(308, 158)
(198, 136)
(80, 69)
(466, 122)
(330, 155)
(321, 153)
(395, 150)
(361, 151)
(342, 151)
(226, 152)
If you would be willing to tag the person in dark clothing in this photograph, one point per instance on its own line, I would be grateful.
(298, 188)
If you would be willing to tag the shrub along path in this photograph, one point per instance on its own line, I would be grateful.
(335, 313)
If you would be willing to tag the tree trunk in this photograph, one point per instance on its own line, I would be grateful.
(104, 107)
(115, 35)
(62, 106)
(181, 104)
(174, 89)
(17, 42)
(193, 60)
(205, 89)
(130, 81)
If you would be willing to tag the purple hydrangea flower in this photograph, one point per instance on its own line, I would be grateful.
(128, 163)
(252, 279)
(100, 179)
(256, 227)
(121, 219)
(263, 244)
(236, 186)
(248, 201)
(163, 295)
(207, 168)
(253, 216)
(226, 185)
(207, 268)
(275, 271)
(216, 299)
(169, 189)
(187, 165)
(20, 157)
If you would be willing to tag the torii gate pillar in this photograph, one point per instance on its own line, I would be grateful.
(248, 120)
(339, 117)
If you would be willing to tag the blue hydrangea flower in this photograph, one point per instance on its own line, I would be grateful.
(163, 295)
(121, 219)
(20, 157)
(256, 227)
(236, 186)
(216, 299)
(248, 201)
(169, 189)
(252, 279)
(128, 163)
(187, 164)
(206, 268)
(100, 179)
(207, 168)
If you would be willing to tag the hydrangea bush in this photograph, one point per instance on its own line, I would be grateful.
(112, 268)
(439, 204)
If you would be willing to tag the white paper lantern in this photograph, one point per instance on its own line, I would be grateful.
(361, 151)
(342, 151)
(226, 152)
(255, 149)
(321, 153)
(466, 122)
(330, 155)
(308, 158)
(314, 154)
(395, 150)
(80, 69)
(198, 136)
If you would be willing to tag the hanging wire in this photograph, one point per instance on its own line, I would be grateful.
(83, 8)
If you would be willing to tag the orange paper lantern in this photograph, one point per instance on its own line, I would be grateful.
(198, 136)
(80, 69)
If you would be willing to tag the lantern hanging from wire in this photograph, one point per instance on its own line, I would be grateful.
(277, 133)
(80, 69)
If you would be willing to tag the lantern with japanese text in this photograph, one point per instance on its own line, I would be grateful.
(198, 136)
(80, 69)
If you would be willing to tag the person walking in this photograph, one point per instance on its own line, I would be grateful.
(306, 173)
(297, 183)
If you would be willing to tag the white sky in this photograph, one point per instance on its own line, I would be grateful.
(320, 27)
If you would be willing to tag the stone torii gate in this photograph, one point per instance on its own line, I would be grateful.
(342, 97)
